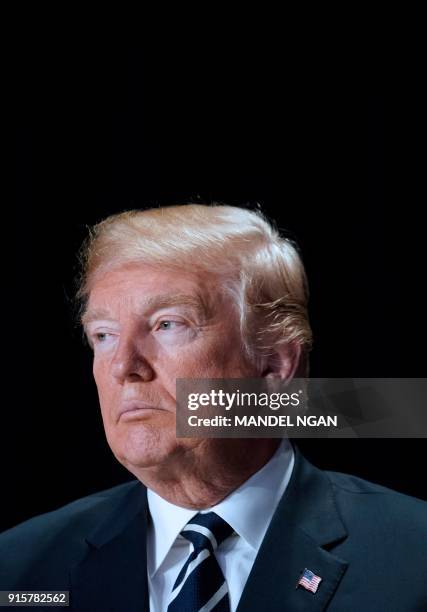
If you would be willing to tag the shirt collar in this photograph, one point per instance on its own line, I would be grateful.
(248, 509)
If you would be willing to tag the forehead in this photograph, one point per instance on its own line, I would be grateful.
(137, 287)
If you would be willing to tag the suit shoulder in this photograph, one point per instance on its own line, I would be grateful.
(79, 510)
(46, 545)
(356, 495)
(354, 484)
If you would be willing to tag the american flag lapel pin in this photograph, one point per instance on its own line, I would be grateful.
(308, 580)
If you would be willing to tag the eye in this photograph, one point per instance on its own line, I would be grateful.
(100, 337)
(167, 325)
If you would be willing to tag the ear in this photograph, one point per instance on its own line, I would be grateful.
(283, 363)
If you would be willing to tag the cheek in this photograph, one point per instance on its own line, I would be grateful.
(100, 375)
(97, 375)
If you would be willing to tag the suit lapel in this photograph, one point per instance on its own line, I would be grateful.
(113, 575)
(305, 523)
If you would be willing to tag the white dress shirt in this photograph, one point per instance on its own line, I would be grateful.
(249, 510)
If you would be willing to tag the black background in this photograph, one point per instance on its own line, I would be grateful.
(103, 127)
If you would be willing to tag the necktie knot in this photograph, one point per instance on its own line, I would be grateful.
(206, 531)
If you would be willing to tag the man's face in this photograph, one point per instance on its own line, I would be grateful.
(149, 327)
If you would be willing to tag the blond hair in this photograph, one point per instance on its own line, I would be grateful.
(261, 269)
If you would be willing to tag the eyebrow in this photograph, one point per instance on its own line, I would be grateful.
(153, 303)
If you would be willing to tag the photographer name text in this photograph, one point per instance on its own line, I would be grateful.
(270, 420)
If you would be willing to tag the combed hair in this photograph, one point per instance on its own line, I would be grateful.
(261, 269)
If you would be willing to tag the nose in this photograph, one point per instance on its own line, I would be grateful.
(129, 364)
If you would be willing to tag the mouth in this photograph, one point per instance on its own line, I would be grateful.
(136, 409)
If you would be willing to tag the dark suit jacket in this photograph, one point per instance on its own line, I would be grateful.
(367, 543)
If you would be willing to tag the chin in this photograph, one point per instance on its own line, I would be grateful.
(144, 447)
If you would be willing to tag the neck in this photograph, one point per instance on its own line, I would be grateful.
(202, 476)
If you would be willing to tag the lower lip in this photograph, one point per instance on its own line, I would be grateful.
(138, 413)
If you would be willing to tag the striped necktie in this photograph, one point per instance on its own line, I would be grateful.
(201, 585)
